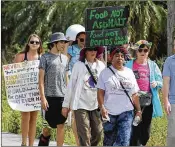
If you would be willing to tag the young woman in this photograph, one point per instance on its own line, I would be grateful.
(32, 51)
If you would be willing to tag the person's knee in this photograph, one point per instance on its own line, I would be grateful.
(33, 117)
(60, 127)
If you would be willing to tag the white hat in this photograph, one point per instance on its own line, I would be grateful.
(73, 30)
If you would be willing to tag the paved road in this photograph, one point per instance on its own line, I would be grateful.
(10, 139)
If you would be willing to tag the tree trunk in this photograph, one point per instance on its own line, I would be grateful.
(170, 26)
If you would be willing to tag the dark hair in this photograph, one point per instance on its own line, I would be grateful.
(143, 45)
(50, 45)
(119, 49)
(26, 48)
(76, 41)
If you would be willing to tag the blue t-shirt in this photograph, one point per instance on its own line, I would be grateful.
(74, 52)
(169, 70)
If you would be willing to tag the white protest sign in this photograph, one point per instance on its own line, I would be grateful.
(21, 81)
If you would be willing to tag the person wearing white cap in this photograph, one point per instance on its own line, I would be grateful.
(75, 33)
(76, 36)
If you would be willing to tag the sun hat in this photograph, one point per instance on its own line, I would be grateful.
(58, 36)
(137, 45)
(73, 30)
(100, 50)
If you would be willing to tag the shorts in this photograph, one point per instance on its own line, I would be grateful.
(53, 115)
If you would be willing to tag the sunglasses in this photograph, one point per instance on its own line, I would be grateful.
(91, 49)
(36, 42)
(81, 39)
(140, 50)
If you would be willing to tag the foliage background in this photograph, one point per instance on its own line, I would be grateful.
(21, 18)
(148, 20)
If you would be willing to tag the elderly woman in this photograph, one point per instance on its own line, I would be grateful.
(81, 96)
(149, 80)
(117, 97)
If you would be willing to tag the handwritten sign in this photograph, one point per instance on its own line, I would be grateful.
(21, 81)
(106, 26)
(106, 17)
(107, 37)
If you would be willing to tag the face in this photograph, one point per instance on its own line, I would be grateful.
(118, 59)
(91, 54)
(81, 40)
(142, 53)
(61, 45)
(34, 43)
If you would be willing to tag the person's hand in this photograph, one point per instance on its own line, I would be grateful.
(139, 113)
(154, 84)
(65, 112)
(167, 107)
(104, 112)
(44, 104)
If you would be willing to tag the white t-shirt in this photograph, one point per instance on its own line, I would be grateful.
(88, 97)
(115, 100)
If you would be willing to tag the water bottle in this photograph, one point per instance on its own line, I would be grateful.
(136, 121)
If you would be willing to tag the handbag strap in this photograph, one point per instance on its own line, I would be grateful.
(122, 86)
(91, 73)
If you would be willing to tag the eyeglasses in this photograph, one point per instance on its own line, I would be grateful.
(91, 49)
(81, 39)
(36, 42)
(140, 50)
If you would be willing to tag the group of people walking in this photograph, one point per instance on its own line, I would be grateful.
(102, 99)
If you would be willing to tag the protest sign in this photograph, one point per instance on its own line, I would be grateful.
(106, 26)
(21, 82)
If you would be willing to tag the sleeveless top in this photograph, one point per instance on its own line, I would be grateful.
(25, 57)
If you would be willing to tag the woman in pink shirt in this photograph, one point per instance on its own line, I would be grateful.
(149, 79)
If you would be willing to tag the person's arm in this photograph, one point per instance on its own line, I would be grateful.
(165, 92)
(100, 98)
(69, 90)
(158, 77)
(136, 103)
(18, 58)
(135, 97)
(44, 102)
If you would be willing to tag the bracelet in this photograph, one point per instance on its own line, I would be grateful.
(139, 111)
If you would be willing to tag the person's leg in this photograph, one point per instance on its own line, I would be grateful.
(60, 134)
(74, 128)
(124, 125)
(171, 127)
(135, 135)
(25, 118)
(96, 127)
(32, 127)
(110, 131)
(83, 126)
(146, 124)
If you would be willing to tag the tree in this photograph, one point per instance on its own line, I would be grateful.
(21, 18)
(171, 26)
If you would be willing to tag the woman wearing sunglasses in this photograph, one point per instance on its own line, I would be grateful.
(81, 96)
(149, 79)
(32, 51)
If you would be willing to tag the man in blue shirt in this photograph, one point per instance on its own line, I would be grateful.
(168, 92)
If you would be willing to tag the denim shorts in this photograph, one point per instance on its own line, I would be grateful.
(117, 131)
